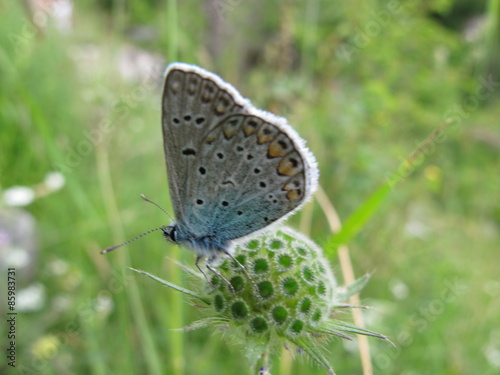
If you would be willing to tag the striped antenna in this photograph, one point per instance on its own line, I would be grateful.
(141, 235)
(133, 239)
(157, 205)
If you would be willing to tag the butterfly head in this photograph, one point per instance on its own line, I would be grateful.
(203, 245)
(171, 233)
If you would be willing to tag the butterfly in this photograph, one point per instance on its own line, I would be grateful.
(233, 170)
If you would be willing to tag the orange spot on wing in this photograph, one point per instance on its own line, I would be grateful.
(292, 195)
(230, 132)
(265, 134)
(275, 150)
(210, 138)
(250, 126)
(287, 168)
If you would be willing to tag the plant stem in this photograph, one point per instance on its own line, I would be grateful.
(262, 364)
(348, 275)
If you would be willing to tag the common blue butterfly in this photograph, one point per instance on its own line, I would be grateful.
(233, 169)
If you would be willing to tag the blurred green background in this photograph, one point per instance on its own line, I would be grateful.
(364, 82)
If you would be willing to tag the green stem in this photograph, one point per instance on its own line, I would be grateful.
(262, 363)
(143, 331)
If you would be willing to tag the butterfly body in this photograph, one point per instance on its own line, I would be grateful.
(209, 246)
(233, 170)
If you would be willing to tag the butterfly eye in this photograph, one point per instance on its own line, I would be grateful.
(173, 234)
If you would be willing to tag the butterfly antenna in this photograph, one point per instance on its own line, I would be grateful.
(157, 205)
(133, 239)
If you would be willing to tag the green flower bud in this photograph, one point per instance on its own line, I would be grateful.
(286, 285)
(290, 299)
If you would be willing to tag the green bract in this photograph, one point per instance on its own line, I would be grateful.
(291, 299)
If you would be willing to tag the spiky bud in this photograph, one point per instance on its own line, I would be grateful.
(287, 296)
(291, 290)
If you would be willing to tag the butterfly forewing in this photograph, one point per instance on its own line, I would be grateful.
(193, 103)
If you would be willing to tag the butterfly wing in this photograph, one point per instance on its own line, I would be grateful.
(257, 172)
(238, 171)
(194, 102)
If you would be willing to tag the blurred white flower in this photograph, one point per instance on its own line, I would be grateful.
(492, 350)
(54, 181)
(138, 65)
(18, 196)
(17, 257)
(104, 304)
(62, 11)
(31, 298)
(58, 267)
(416, 228)
(398, 289)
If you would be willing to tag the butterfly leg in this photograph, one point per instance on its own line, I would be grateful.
(242, 267)
(222, 277)
(197, 264)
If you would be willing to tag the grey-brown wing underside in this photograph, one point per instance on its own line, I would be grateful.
(194, 102)
(248, 173)
(232, 168)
